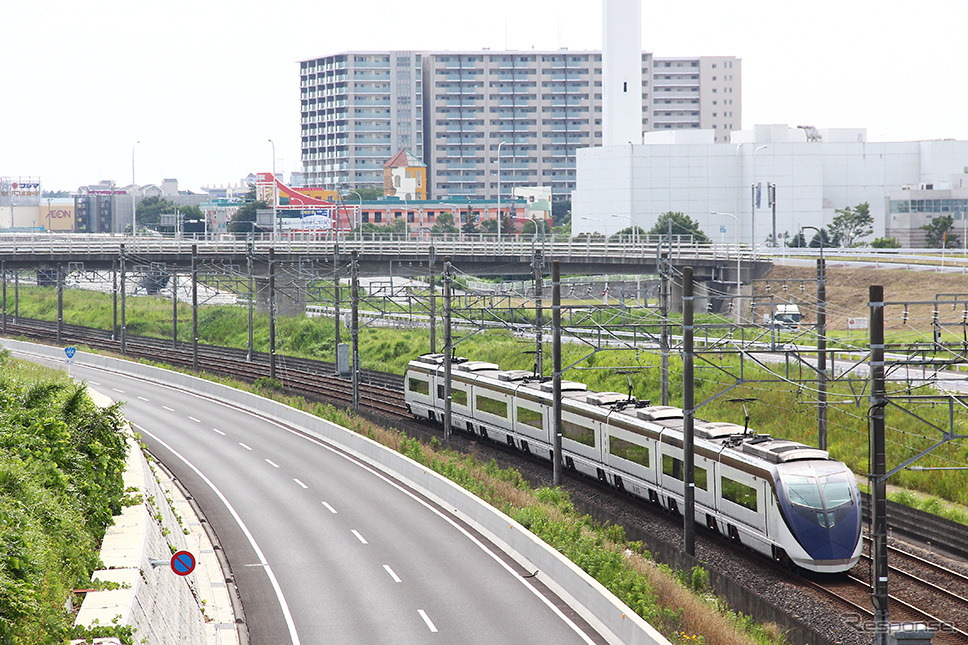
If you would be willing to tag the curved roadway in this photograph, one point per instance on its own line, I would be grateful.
(325, 549)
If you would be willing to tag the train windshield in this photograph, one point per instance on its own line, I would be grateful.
(820, 498)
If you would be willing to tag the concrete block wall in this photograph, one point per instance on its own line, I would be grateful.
(162, 607)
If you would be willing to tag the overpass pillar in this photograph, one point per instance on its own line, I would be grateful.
(290, 293)
(705, 295)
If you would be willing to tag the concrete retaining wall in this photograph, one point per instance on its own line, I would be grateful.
(162, 607)
(589, 598)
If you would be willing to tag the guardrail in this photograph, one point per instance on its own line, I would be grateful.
(399, 245)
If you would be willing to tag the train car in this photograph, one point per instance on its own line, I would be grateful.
(783, 499)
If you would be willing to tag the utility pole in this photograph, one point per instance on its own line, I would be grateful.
(195, 307)
(114, 297)
(355, 325)
(433, 300)
(272, 312)
(664, 334)
(688, 415)
(124, 331)
(448, 350)
(336, 298)
(249, 252)
(60, 301)
(556, 368)
(3, 269)
(537, 264)
(878, 460)
(822, 354)
(174, 310)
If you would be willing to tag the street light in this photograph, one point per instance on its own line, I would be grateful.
(595, 219)
(753, 201)
(738, 261)
(359, 214)
(499, 190)
(631, 226)
(819, 236)
(134, 206)
(275, 196)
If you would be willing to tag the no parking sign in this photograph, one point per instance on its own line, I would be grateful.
(183, 563)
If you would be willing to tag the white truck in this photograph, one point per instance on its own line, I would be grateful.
(786, 317)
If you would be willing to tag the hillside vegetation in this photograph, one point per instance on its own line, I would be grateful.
(61, 462)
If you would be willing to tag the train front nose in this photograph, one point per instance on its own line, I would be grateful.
(824, 515)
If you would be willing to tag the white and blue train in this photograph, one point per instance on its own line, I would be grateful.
(781, 498)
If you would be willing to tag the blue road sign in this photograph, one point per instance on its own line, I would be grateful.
(70, 351)
(183, 563)
(722, 229)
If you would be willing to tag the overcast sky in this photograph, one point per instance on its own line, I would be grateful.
(204, 84)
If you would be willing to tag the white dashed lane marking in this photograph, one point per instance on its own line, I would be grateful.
(331, 509)
(218, 431)
(426, 619)
(300, 483)
(244, 446)
(359, 537)
(395, 577)
(167, 408)
(143, 398)
(272, 463)
(194, 419)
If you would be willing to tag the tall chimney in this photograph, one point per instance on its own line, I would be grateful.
(621, 72)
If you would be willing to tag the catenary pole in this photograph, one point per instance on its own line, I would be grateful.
(688, 414)
(556, 367)
(878, 458)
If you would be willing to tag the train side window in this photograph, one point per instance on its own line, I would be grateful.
(418, 386)
(492, 406)
(531, 418)
(739, 493)
(628, 450)
(674, 468)
(579, 433)
(458, 396)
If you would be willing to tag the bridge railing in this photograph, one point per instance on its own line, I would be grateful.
(558, 247)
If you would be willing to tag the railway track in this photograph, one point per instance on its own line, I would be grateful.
(316, 380)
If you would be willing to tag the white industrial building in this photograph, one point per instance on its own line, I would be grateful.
(815, 173)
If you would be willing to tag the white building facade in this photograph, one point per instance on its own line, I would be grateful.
(814, 175)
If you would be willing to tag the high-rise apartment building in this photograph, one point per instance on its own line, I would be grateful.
(480, 119)
(357, 110)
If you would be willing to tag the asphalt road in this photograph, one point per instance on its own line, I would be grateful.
(326, 550)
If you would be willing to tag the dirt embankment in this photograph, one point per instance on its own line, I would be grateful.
(847, 295)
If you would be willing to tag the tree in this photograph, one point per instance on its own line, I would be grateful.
(490, 227)
(150, 210)
(681, 225)
(531, 227)
(885, 243)
(471, 221)
(444, 225)
(244, 219)
(369, 193)
(630, 232)
(561, 212)
(851, 224)
(798, 241)
(939, 233)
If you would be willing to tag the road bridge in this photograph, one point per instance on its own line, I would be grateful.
(715, 266)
